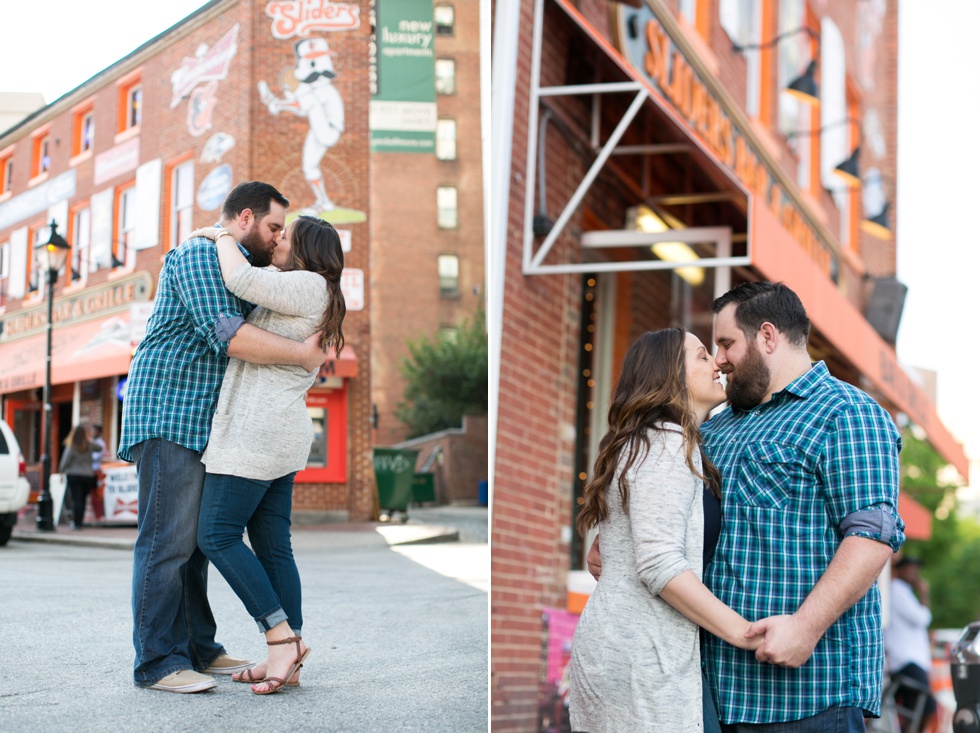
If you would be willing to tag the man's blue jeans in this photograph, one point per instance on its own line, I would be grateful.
(173, 627)
(832, 720)
(267, 581)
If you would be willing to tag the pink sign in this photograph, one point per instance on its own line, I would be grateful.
(209, 65)
(299, 17)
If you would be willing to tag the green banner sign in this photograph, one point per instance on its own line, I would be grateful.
(403, 101)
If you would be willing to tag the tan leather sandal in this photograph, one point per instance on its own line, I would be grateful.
(277, 683)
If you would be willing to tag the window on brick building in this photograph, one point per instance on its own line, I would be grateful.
(449, 333)
(130, 102)
(40, 154)
(7, 173)
(446, 139)
(80, 239)
(447, 213)
(82, 130)
(742, 20)
(123, 253)
(688, 9)
(181, 202)
(448, 276)
(4, 272)
(445, 76)
(445, 18)
(36, 279)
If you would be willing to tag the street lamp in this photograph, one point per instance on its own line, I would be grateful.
(51, 256)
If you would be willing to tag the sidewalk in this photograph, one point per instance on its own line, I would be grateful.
(123, 536)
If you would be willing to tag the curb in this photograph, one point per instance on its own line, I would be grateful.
(404, 534)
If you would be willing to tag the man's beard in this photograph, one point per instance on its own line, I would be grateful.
(260, 250)
(751, 381)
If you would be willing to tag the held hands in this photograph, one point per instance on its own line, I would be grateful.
(785, 640)
(208, 232)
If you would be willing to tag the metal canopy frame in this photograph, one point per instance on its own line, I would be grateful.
(533, 260)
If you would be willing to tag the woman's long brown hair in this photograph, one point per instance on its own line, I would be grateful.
(77, 439)
(315, 246)
(652, 390)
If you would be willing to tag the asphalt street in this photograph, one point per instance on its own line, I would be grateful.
(398, 633)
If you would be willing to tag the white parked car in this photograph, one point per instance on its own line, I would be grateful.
(14, 488)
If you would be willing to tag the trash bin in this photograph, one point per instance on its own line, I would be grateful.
(394, 471)
(423, 487)
(964, 663)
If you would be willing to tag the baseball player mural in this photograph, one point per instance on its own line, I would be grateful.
(316, 98)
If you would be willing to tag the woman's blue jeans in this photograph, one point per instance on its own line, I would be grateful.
(173, 627)
(266, 581)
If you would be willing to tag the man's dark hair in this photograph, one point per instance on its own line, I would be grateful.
(760, 302)
(254, 195)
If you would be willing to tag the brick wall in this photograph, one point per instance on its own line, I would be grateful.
(462, 459)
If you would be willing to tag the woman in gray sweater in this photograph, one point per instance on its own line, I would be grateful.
(261, 435)
(636, 662)
(76, 465)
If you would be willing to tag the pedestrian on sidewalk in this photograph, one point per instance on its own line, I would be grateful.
(98, 452)
(196, 325)
(907, 647)
(76, 465)
(261, 437)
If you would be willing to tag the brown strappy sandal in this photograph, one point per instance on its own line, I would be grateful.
(277, 683)
(249, 678)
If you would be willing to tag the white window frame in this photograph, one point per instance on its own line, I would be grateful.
(181, 203)
(446, 129)
(441, 23)
(445, 82)
(448, 268)
(447, 207)
(82, 244)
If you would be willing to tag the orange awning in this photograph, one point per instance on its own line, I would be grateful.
(918, 520)
(345, 366)
(90, 350)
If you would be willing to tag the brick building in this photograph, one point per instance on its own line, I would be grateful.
(427, 217)
(131, 161)
(662, 152)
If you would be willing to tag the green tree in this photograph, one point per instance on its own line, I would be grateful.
(951, 557)
(445, 378)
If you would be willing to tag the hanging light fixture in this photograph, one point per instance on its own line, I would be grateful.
(849, 170)
(877, 225)
(804, 87)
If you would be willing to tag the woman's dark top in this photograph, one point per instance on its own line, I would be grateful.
(712, 524)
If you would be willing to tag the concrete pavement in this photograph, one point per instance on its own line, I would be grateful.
(398, 631)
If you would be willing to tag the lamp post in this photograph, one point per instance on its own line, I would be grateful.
(51, 256)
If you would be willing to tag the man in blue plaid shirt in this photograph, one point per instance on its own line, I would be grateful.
(171, 396)
(810, 470)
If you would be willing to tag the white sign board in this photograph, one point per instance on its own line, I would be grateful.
(352, 286)
(121, 494)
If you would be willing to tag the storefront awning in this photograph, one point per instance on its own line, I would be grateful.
(778, 257)
(344, 366)
(90, 350)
